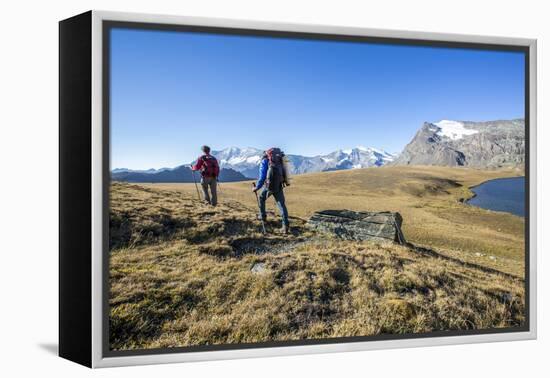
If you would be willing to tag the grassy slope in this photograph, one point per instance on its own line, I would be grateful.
(428, 199)
(180, 274)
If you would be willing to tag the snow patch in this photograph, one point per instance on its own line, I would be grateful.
(453, 130)
(365, 149)
(237, 160)
(253, 159)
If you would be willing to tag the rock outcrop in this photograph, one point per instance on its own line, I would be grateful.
(364, 225)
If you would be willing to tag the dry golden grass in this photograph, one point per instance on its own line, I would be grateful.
(183, 273)
(427, 198)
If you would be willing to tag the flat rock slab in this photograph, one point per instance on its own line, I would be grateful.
(359, 225)
(258, 268)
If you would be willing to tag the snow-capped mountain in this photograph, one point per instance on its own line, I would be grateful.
(246, 160)
(358, 157)
(463, 143)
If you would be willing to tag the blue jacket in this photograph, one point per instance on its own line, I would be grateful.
(264, 165)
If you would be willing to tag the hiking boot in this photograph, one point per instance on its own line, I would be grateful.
(285, 229)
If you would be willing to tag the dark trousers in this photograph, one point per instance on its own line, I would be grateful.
(279, 200)
(209, 182)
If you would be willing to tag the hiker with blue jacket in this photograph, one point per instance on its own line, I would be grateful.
(273, 178)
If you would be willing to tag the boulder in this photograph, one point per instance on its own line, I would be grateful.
(258, 268)
(362, 225)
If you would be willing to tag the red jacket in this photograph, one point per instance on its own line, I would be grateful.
(202, 166)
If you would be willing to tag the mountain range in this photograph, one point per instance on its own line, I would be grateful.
(239, 164)
(447, 143)
(246, 160)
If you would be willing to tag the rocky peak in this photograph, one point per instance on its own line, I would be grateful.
(463, 143)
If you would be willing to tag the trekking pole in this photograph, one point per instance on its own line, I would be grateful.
(196, 186)
(261, 218)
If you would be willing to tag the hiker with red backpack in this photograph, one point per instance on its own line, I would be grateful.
(273, 178)
(209, 168)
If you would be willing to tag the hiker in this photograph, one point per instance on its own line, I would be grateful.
(273, 178)
(209, 168)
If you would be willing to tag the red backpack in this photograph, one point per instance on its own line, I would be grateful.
(210, 167)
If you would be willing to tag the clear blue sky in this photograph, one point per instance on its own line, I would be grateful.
(172, 92)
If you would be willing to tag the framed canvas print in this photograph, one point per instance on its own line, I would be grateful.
(237, 189)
